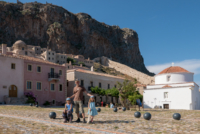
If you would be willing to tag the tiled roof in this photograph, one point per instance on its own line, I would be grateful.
(28, 58)
(170, 87)
(95, 73)
(166, 86)
(174, 83)
(174, 69)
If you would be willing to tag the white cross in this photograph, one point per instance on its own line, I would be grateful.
(172, 63)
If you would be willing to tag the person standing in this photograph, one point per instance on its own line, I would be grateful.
(101, 103)
(92, 109)
(78, 99)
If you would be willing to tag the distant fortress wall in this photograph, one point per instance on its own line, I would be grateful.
(141, 77)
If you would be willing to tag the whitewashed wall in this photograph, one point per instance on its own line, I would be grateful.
(179, 98)
(195, 98)
(175, 78)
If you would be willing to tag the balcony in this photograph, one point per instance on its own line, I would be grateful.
(53, 76)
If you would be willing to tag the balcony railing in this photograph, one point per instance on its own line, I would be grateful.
(53, 75)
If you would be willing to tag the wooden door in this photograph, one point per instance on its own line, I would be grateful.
(13, 91)
(166, 106)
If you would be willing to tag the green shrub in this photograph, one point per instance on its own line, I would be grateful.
(81, 63)
(113, 92)
(97, 90)
(57, 25)
(46, 103)
(70, 59)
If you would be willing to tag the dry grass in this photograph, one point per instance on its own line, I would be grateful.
(161, 121)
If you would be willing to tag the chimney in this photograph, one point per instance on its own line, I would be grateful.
(88, 58)
(81, 65)
(4, 47)
(70, 62)
(92, 69)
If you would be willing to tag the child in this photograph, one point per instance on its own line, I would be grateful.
(91, 108)
(111, 105)
(68, 111)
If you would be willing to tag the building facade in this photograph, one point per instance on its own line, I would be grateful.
(81, 59)
(174, 89)
(20, 73)
(46, 80)
(11, 78)
(90, 79)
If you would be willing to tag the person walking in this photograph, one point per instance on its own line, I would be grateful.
(92, 109)
(78, 99)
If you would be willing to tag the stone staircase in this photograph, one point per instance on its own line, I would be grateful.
(15, 100)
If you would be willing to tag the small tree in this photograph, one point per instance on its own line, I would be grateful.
(70, 59)
(113, 92)
(133, 98)
(126, 89)
(97, 90)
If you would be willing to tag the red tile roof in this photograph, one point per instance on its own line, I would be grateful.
(95, 73)
(166, 86)
(170, 87)
(28, 58)
(174, 69)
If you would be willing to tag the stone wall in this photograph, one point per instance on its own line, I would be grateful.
(141, 77)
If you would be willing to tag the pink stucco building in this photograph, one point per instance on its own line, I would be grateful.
(11, 78)
(19, 74)
(45, 79)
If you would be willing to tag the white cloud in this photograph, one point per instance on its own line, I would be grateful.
(192, 65)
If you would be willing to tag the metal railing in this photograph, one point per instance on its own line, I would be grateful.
(53, 75)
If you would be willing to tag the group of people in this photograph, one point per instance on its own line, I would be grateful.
(78, 102)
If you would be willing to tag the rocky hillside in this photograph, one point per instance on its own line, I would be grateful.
(54, 27)
(105, 69)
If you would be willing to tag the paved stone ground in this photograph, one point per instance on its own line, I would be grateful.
(26, 119)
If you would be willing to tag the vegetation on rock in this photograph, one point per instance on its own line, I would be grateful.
(66, 32)
(70, 59)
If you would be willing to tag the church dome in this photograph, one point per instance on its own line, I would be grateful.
(19, 44)
(173, 74)
(174, 69)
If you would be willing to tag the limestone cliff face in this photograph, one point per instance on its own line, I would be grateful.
(54, 27)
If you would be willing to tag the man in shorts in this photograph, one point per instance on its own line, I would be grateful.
(78, 99)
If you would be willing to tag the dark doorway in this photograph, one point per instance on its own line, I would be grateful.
(166, 106)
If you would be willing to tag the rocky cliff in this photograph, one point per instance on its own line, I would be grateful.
(54, 27)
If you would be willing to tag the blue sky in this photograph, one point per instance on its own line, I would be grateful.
(169, 30)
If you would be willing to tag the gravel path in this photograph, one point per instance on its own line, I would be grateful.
(61, 124)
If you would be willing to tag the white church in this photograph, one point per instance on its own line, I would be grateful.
(174, 89)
